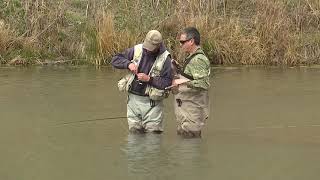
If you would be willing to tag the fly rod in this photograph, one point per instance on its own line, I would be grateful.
(92, 120)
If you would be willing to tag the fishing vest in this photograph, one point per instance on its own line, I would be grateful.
(124, 84)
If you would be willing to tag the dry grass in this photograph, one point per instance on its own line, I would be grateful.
(270, 32)
(273, 34)
(110, 40)
(5, 37)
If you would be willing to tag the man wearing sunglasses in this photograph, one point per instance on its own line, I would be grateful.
(191, 86)
(149, 64)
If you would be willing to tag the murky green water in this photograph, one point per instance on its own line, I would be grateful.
(265, 125)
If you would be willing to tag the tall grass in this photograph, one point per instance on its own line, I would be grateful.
(4, 38)
(270, 32)
(267, 33)
(110, 40)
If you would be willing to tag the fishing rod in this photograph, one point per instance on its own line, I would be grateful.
(92, 120)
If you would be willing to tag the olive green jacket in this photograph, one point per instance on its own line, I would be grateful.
(197, 68)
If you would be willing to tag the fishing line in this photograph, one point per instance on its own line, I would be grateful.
(92, 120)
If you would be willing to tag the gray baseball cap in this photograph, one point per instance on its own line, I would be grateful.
(153, 40)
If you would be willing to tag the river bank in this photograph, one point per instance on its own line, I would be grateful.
(234, 32)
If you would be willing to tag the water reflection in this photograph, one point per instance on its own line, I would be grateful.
(187, 159)
(143, 155)
(187, 150)
(149, 158)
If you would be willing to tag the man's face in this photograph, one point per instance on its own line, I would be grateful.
(155, 51)
(185, 43)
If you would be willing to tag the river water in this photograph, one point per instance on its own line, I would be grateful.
(264, 124)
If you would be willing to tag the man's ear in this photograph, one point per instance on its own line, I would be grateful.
(192, 41)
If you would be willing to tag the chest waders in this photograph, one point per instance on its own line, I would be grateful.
(191, 104)
(143, 116)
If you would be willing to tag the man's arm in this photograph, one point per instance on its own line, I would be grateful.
(122, 60)
(199, 68)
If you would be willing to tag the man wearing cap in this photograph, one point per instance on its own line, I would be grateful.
(150, 73)
(191, 85)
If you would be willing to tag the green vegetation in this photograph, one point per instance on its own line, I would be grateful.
(269, 32)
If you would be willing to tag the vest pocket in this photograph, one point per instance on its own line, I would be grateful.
(123, 83)
(157, 94)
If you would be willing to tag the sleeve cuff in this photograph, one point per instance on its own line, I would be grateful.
(127, 65)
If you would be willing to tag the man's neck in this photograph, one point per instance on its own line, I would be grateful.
(194, 49)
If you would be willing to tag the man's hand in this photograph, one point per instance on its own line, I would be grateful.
(143, 77)
(133, 68)
(176, 82)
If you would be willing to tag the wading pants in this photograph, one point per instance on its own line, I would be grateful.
(191, 109)
(144, 114)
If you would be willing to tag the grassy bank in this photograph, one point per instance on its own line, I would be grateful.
(270, 32)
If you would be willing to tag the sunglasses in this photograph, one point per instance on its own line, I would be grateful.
(184, 41)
